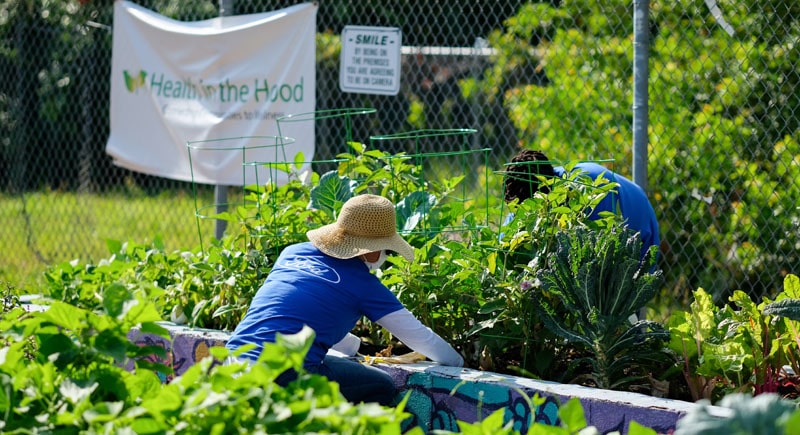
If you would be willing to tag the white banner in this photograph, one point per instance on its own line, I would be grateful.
(199, 101)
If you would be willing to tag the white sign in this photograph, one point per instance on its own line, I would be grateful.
(218, 85)
(370, 60)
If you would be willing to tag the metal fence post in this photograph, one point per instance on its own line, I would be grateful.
(641, 41)
(221, 192)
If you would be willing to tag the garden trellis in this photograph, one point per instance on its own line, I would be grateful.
(261, 198)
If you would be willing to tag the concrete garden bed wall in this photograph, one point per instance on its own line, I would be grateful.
(442, 395)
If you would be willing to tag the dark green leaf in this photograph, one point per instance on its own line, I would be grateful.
(414, 209)
(331, 192)
(789, 308)
(492, 306)
(112, 344)
(114, 298)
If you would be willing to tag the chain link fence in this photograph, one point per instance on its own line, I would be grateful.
(723, 167)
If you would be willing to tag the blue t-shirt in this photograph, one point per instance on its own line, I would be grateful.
(307, 287)
(628, 199)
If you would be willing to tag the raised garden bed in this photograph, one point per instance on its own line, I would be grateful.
(442, 395)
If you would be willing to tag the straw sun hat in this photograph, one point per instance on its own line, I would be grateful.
(366, 223)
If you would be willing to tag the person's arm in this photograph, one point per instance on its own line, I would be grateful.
(348, 345)
(408, 329)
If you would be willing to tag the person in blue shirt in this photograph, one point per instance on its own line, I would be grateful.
(327, 284)
(628, 199)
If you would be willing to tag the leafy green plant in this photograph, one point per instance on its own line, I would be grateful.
(572, 420)
(206, 289)
(530, 233)
(213, 398)
(65, 363)
(786, 310)
(493, 424)
(446, 286)
(508, 326)
(74, 380)
(469, 283)
(739, 348)
(691, 333)
(593, 284)
(571, 417)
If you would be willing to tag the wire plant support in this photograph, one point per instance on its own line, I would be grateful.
(267, 165)
(330, 123)
(267, 162)
(473, 164)
(220, 150)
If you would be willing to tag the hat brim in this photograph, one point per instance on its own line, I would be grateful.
(330, 240)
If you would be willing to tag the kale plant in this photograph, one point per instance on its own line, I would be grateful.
(593, 285)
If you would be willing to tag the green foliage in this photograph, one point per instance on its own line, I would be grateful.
(446, 285)
(530, 234)
(572, 421)
(690, 334)
(64, 364)
(587, 294)
(788, 308)
(739, 348)
(212, 287)
(492, 424)
(507, 321)
(787, 304)
(468, 283)
(209, 398)
(73, 379)
(727, 102)
(331, 193)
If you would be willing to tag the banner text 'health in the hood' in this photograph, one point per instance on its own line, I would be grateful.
(226, 91)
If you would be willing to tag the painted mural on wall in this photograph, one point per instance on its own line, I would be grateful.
(439, 402)
(439, 398)
(182, 351)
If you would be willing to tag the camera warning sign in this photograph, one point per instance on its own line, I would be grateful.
(370, 60)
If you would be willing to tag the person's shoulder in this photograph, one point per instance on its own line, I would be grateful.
(592, 168)
(301, 247)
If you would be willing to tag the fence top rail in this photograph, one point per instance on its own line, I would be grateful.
(447, 51)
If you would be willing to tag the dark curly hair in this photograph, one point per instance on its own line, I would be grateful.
(521, 182)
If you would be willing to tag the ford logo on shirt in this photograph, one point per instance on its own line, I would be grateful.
(312, 267)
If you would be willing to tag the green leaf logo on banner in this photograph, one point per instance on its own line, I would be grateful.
(134, 82)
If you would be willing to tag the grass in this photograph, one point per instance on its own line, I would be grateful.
(42, 229)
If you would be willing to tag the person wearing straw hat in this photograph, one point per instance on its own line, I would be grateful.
(628, 199)
(327, 284)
